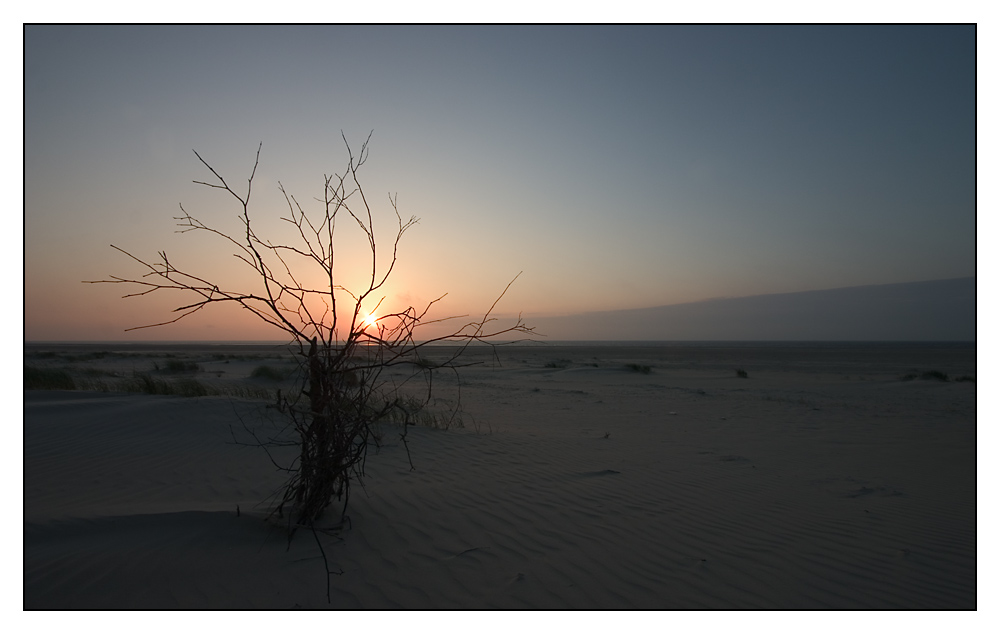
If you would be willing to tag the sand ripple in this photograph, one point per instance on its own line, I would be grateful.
(600, 490)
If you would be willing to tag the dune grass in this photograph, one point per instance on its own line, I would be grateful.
(172, 376)
(641, 369)
(930, 375)
(427, 415)
(145, 383)
(268, 372)
(177, 366)
(47, 379)
(94, 380)
(425, 363)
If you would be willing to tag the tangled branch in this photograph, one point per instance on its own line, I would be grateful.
(345, 389)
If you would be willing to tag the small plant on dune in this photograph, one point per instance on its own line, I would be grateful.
(177, 366)
(934, 375)
(741, 373)
(99, 372)
(343, 347)
(930, 375)
(641, 369)
(47, 379)
(143, 382)
(425, 363)
(418, 413)
(190, 387)
(267, 372)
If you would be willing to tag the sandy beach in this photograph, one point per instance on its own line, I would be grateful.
(833, 476)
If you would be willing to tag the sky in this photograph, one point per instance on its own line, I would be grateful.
(612, 167)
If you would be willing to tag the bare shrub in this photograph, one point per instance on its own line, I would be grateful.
(344, 353)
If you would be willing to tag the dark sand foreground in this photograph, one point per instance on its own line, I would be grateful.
(584, 477)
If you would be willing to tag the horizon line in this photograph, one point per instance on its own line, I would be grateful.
(507, 342)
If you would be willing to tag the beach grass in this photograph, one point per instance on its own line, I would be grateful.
(641, 369)
(47, 379)
(268, 372)
(435, 415)
(930, 375)
(99, 380)
(177, 366)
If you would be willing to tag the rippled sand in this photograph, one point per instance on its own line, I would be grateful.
(584, 477)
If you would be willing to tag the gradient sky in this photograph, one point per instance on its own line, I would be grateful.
(617, 167)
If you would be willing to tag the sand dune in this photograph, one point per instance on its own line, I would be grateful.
(822, 480)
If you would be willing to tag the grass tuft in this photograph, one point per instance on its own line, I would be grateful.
(176, 366)
(641, 369)
(144, 383)
(47, 379)
(934, 375)
(189, 387)
(740, 372)
(417, 412)
(427, 364)
(930, 375)
(267, 372)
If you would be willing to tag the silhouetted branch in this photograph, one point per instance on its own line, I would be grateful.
(332, 417)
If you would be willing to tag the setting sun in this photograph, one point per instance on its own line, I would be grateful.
(369, 321)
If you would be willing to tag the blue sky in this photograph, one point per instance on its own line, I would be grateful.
(618, 167)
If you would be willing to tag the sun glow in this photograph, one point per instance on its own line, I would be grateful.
(369, 320)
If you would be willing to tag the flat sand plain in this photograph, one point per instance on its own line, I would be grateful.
(601, 476)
